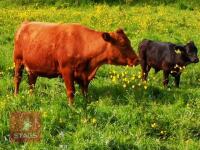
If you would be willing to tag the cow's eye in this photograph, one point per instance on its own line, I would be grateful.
(124, 45)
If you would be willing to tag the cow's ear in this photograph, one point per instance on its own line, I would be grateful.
(106, 36)
(120, 31)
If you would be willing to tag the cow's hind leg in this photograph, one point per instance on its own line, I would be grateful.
(18, 75)
(32, 80)
(68, 77)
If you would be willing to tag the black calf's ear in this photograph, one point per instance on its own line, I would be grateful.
(191, 43)
(106, 36)
(178, 49)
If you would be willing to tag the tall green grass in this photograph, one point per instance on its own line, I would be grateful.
(115, 117)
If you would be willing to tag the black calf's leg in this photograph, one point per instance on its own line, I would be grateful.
(177, 80)
(145, 70)
(165, 78)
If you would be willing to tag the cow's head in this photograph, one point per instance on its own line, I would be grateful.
(191, 52)
(119, 49)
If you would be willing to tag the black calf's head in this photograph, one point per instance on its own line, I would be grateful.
(191, 52)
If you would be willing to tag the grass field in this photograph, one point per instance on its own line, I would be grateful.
(122, 114)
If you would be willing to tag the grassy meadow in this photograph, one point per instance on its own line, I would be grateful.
(123, 113)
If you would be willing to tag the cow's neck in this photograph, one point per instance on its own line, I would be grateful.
(95, 63)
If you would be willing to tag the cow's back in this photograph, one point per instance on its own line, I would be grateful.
(36, 35)
(42, 46)
(41, 36)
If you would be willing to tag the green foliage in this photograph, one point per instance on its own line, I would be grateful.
(183, 3)
(116, 116)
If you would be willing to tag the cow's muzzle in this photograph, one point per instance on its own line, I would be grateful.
(133, 62)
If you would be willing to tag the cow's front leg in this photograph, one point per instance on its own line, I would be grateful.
(84, 86)
(177, 80)
(85, 89)
(32, 80)
(81, 85)
(68, 76)
(165, 77)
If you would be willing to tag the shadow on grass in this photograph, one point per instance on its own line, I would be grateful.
(116, 92)
(121, 96)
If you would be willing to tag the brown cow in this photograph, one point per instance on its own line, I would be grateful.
(72, 51)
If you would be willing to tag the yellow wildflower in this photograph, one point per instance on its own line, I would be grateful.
(84, 120)
(94, 120)
(2, 105)
(133, 78)
(154, 125)
(114, 79)
(44, 114)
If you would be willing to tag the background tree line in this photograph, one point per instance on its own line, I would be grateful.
(65, 3)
